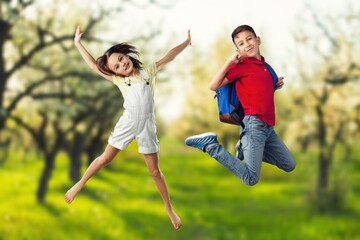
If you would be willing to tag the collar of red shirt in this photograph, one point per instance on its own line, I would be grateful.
(254, 60)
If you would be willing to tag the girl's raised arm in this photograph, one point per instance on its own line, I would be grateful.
(86, 55)
(173, 52)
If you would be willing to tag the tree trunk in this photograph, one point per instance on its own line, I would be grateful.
(92, 154)
(75, 157)
(45, 177)
(95, 147)
(323, 176)
(4, 33)
(324, 159)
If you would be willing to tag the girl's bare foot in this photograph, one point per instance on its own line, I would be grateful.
(176, 221)
(72, 192)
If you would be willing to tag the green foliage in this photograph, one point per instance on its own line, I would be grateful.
(121, 201)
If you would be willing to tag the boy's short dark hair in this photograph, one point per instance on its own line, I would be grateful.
(242, 28)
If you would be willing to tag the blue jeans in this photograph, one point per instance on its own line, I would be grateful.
(259, 143)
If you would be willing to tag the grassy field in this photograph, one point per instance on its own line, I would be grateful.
(121, 202)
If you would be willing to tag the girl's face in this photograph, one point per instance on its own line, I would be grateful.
(120, 64)
(248, 44)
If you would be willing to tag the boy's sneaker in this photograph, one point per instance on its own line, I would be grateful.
(202, 140)
(239, 152)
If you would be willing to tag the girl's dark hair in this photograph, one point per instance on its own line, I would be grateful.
(242, 28)
(122, 48)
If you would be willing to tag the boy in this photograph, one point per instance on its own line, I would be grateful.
(255, 90)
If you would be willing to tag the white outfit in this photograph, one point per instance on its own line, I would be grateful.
(138, 119)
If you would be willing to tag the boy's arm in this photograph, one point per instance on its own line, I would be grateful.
(86, 55)
(173, 52)
(219, 79)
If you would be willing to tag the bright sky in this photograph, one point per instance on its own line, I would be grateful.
(209, 18)
(274, 21)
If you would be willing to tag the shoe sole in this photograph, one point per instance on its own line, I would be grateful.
(209, 134)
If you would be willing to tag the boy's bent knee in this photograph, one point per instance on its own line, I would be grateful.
(251, 181)
(290, 167)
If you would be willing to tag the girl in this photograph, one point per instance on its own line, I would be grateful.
(136, 83)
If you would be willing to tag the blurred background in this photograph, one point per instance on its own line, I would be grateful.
(56, 116)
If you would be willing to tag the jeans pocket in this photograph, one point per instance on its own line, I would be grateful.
(256, 123)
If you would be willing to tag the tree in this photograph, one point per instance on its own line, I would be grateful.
(23, 52)
(330, 73)
(40, 58)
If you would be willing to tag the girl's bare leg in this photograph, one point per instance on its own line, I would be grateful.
(152, 163)
(105, 158)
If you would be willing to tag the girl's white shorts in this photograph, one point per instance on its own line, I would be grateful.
(141, 128)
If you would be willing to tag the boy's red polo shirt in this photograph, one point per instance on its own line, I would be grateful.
(254, 88)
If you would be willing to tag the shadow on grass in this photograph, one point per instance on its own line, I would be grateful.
(52, 209)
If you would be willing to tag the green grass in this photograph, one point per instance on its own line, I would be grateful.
(121, 202)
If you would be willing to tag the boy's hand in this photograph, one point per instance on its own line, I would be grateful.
(280, 82)
(236, 57)
(78, 35)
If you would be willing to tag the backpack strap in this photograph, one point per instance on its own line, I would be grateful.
(273, 75)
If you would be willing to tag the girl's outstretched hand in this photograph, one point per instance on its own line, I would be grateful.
(78, 35)
(189, 37)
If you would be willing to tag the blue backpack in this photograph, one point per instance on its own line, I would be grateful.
(230, 109)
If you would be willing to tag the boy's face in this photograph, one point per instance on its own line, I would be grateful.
(120, 64)
(247, 44)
